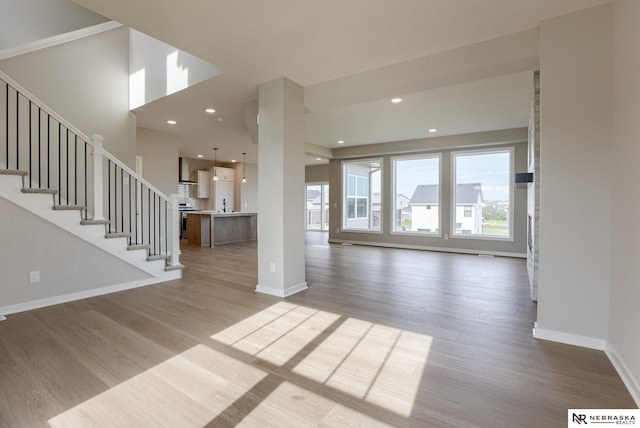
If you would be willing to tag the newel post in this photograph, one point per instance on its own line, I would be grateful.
(98, 185)
(175, 225)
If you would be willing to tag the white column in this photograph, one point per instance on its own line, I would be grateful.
(98, 185)
(175, 224)
(281, 250)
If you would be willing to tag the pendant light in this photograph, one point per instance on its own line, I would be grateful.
(215, 163)
(244, 167)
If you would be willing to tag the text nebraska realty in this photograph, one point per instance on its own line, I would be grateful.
(606, 419)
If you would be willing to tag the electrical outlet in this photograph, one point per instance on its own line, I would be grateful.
(446, 236)
(272, 267)
(34, 276)
(338, 230)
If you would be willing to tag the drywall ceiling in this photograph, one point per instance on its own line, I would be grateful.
(319, 44)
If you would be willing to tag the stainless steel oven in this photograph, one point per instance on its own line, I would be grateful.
(184, 208)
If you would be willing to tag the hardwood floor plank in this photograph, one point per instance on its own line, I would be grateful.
(382, 337)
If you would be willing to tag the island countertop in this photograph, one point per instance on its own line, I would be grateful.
(209, 228)
(219, 214)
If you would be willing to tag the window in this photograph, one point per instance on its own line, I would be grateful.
(482, 193)
(362, 195)
(416, 194)
(317, 208)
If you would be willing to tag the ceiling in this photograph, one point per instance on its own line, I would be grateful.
(333, 48)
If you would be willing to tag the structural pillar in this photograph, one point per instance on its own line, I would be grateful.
(281, 155)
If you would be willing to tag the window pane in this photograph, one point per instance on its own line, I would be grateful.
(362, 208)
(351, 185)
(363, 186)
(362, 197)
(416, 195)
(314, 206)
(351, 208)
(482, 193)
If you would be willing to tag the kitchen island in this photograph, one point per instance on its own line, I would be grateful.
(210, 228)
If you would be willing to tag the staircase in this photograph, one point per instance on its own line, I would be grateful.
(53, 170)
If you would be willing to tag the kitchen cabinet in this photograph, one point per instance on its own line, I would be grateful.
(222, 190)
(203, 185)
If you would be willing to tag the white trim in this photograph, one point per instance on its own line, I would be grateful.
(569, 338)
(394, 195)
(429, 248)
(65, 298)
(512, 203)
(343, 195)
(278, 292)
(58, 39)
(625, 374)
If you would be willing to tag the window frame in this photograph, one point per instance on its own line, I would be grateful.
(454, 153)
(394, 198)
(344, 196)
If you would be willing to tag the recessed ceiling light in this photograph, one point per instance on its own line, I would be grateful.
(171, 122)
(318, 158)
(340, 141)
(210, 110)
(233, 161)
(396, 100)
(200, 156)
(432, 130)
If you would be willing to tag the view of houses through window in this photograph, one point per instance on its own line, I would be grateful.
(362, 195)
(416, 188)
(317, 206)
(481, 199)
(482, 193)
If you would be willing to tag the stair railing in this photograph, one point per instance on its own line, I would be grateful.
(56, 155)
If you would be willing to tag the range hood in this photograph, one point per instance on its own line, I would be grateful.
(183, 171)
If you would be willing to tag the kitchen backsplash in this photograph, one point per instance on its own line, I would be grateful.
(185, 196)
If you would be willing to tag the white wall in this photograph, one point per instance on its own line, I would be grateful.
(247, 193)
(159, 151)
(87, 82)
(67, 264)
(24, 21)
(625, 292)
(575, 212)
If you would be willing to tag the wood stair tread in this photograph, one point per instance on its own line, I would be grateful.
(13, 172)
(39, 191)
(68, 207)
(138, 247)
(112, 235)
(155, 257)
(91, 221)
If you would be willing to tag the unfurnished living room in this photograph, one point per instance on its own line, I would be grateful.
(297, 213)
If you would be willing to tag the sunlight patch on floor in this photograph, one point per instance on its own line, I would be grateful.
(293, 406)
(375, 363)
(189, 389)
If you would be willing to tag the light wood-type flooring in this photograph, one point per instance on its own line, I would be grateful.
(382, 337)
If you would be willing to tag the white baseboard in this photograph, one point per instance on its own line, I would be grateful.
(569, 338)
(278, 292)
(428, 248)
(65, 298)
(625, 374)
